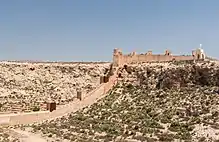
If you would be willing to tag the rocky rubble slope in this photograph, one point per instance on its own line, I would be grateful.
(151, 102)
(25, 86)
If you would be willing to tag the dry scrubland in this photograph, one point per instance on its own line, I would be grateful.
(151, 102)
(27, 86)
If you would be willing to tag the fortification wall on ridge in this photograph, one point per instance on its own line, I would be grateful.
(119, 59)
(89, 99)
(183, 58)
(145, 58)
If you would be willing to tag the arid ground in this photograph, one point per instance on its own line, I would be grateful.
(151, 102)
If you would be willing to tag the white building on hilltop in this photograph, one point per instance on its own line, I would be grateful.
(199, 53)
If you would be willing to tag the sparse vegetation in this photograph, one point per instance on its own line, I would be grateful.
(151, 103)
(36, 108)
(27, 85)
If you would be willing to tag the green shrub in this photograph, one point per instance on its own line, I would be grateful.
(166, 137)
(36, 108)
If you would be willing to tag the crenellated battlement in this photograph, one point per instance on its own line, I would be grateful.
(120, 59)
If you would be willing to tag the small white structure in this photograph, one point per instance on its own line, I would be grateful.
(199, 53)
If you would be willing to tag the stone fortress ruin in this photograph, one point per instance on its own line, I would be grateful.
(135, 97)
(120, 59)
(61, 84)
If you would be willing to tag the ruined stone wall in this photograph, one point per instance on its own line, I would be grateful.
(143, 58)
(89, 99)
(182, 58)
(127, 59)
(27, 118)
(151, 58)
(119, 59)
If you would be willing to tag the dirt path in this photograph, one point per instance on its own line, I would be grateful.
(24, 136)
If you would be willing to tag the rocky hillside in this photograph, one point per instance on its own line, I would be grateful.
(173, 75)
(25, 86)
(152, 102)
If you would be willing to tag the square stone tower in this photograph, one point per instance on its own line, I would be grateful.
(117, 57)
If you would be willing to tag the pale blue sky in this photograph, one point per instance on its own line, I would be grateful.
(89, 30)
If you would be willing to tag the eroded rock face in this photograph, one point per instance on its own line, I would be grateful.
(28, 85)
